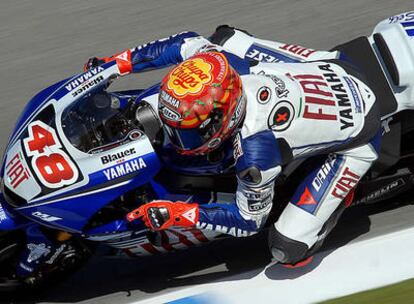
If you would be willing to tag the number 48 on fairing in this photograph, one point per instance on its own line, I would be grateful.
(51, 164)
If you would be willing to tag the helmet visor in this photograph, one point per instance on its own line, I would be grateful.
(186, 139)
(190, 139)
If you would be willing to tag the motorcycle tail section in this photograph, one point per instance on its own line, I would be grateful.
(393, 43)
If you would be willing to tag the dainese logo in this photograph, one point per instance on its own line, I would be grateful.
(190, 77)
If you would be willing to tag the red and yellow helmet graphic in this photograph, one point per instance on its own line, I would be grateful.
(202, 94)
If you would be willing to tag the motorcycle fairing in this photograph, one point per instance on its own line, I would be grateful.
(10, 220)
(103, 176)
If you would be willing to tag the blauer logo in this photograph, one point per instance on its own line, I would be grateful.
(117, 156)
(82, 78)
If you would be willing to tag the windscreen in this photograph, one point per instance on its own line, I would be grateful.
(96, 121)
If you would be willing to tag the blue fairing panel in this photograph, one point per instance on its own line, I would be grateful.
(9, 220)
(34, 104)
(74, 208)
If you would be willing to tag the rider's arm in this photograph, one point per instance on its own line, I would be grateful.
(157, 54)
(246, 46)
(258, 160)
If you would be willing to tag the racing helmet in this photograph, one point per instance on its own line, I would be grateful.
(201, 103)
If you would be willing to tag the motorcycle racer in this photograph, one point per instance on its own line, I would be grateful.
(275, 104)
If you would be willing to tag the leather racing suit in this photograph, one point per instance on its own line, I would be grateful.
(300, 103)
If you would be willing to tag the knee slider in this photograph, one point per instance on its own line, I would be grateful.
(284, 249)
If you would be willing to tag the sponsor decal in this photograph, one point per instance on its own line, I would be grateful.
(56, 254)
(117, 156)
(393, 186)
(123, 56)
(46, 217)
(169, 114)
(263, 95)
(167, 98)
(134, 135)
(346, 182)
(3, 215)
(326, 97)
(353, 89)
(265, 54)
(257, 201)
(280, 89)
(297, 50)
(214, 143)
(16, 173)
(190, 77)
(82, 78)
(281, 116)
(235, 118)
(190, 215)
(402, 17)
(51, 164)
(205, 123)
(237, 147)
(87, 85)
(128, 167)
(25, 267)
(306, 198)
(323, 172)
(37, 251)
(223, 229)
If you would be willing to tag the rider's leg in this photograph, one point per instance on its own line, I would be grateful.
(316, 205)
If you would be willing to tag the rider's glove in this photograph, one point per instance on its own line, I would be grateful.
(159, 215)
(94, 62)
(123, 60)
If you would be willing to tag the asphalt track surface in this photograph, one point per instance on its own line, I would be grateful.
(44, 41)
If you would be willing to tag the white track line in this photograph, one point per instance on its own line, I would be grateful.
(359, 266)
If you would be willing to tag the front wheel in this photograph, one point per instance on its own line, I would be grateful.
(74, 253)
(11, 245)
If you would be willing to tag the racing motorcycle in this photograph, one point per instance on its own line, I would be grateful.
(78, 160)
